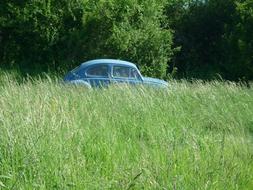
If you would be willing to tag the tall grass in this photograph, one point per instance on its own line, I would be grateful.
(191, 136)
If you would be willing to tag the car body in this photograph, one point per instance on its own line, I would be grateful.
(103, 72)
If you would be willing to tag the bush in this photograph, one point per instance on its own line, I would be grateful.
(55, 34)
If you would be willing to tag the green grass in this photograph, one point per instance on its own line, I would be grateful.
(192, 136)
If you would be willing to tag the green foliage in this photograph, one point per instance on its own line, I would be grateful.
(203, 39)
(31, 30)
(129, 30)
(189, 137)
(55, 32)
(215, 36)
(241, 39)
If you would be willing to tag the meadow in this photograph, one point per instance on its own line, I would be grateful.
(196, 135)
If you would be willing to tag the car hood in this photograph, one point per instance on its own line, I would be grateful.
(155, 81)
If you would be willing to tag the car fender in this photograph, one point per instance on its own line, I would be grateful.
(80, 83)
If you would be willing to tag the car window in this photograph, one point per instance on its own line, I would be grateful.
(97, 71)
(134, 74)
(125, 72)
(121, 71)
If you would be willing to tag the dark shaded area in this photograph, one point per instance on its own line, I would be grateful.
(215, 37)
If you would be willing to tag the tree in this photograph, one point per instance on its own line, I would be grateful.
(130, 30)
(238, 41)
(59, 33)
(215, 37)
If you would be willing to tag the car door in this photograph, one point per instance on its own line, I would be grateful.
(126, 75)
(98, 75)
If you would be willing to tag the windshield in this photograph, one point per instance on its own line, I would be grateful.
(75, 69)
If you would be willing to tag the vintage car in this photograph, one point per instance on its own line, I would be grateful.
(103, 72)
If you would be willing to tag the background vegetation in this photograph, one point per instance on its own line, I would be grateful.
(196, 38)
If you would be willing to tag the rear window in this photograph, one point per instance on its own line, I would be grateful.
(125, 72)
(119, 71)
(97, 71)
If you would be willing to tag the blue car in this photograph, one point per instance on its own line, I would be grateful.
(103, 72)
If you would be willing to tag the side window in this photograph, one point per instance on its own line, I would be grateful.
(121, 71)
(97, 71)
(134, 74)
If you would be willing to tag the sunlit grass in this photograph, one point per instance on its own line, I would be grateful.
(191, 136)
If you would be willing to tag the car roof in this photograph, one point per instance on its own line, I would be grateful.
(107, 61)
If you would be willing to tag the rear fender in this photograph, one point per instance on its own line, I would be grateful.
(80, 83)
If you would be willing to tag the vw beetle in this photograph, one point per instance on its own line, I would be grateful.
(103, 72)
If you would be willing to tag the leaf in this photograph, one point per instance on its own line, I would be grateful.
(1, 184)
(5, 177)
